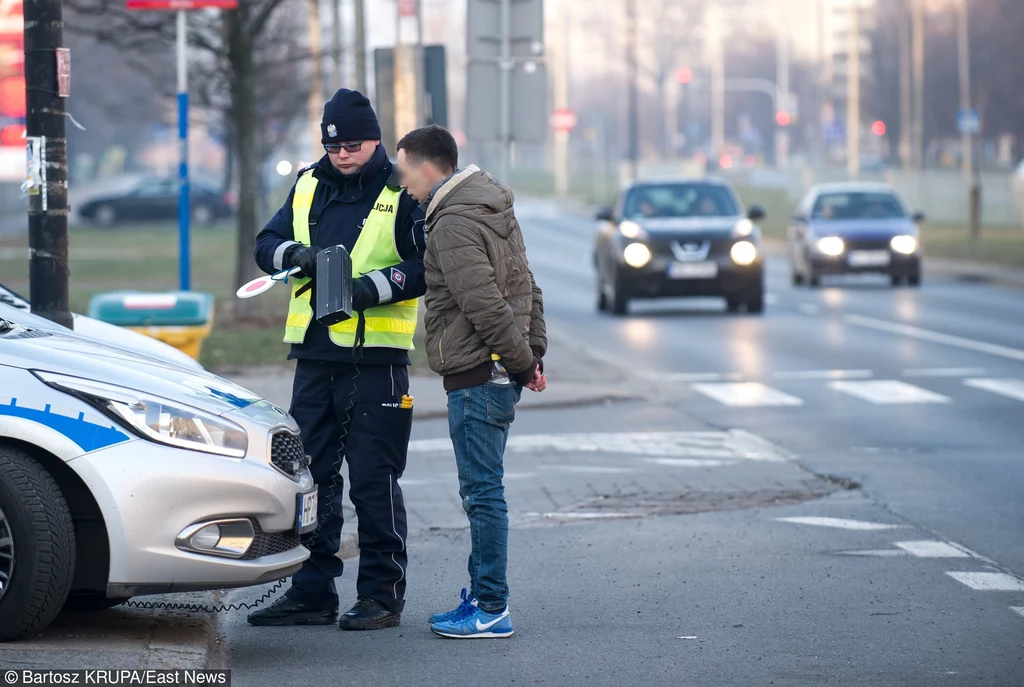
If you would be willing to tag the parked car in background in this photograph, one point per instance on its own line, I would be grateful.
(15, 308)
(124, 476)
(154, 199)
(685, 237)
(854, 228)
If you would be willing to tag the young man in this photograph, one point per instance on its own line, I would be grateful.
(485, 335)
(351, 198)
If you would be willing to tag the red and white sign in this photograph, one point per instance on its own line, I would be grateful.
(408, 8)
(180, 4)
(563, 120)
(64, 72)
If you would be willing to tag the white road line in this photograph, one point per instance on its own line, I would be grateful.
(841, 523)
(687, 377)
(944, 372)
(809, 308)
(888, 392)
(1019, 610)
(688, 462)
(936, 337)
(1011, 388)
(824, 374)
(989, 581)
(746, 394)
(932, 549)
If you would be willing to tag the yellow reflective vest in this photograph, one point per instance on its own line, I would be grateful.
(390, 325)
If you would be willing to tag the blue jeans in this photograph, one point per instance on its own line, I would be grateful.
(479, 419)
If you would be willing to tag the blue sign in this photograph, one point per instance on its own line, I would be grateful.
(968, 122)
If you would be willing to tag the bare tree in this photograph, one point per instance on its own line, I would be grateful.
(245, 67)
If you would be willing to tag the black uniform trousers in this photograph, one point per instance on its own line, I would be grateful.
(373, 436)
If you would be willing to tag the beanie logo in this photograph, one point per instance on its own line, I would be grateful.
(332, 131)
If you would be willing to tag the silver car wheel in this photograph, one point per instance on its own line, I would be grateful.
(6, 554)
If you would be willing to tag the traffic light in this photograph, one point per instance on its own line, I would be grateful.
(684, 75)
(13, 135)
(12, 96)
(783, 118)
(878, 128)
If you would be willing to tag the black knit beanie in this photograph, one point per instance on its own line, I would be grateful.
(348, 116)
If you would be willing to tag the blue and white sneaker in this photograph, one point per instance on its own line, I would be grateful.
(467, 601)
(475, 623)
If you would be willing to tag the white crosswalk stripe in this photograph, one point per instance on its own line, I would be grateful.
(989, 581)
(746, 394)
(1011, 388)
(888, 392)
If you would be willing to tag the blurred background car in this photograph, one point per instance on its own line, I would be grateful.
(854, 228)
(677, 238)
(156, 198)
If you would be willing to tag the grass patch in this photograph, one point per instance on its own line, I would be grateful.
(146, 259)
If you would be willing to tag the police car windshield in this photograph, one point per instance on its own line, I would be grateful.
(680, 200)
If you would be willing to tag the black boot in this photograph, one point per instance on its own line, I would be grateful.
(284, 611)
(369, 614)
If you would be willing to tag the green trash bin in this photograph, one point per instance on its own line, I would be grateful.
(183, 319)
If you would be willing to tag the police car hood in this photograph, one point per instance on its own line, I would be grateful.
(68, 354)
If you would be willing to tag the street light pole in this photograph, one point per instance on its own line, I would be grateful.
(853, 95)
(970, 164)
(45, 129)
(716, 52)
(633, 124)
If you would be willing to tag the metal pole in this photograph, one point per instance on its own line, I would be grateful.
(505, 89)
(917, 40)
(964, 60)
(906, 104)
(782, 94)
(44, 124)
(184, 212)
(315, 102)
(561, 78)
(717, 56)
(339, 78)
(360, 47)
(633, 126)
(853, 95)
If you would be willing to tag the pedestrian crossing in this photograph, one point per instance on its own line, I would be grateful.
(795, 391)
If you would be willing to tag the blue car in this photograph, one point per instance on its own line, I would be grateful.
(854, 228)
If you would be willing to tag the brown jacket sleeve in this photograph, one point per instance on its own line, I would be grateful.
(469, 276)
(538, 328)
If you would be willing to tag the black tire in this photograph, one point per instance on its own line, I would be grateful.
(796, 278)
(755, 305)
(732, 305)
(619, 302)
(813, 280)
(896, 281)
(90, 601)
(43, 563)
(602, 298)
(914, 280)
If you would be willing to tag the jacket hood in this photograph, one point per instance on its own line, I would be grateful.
(475, 194)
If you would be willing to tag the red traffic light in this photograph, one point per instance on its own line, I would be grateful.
(878, 128)
(12, 96)
(684, 75)
(782, 118)
(13, 135)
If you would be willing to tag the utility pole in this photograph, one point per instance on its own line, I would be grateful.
(561, 93)
(633, 97)
(339, 78)
(45, 128)
(716, 52)
(853, 94)
(360, 47)
(906, 90)
(782, 92)
(316, 90)
(408, 69)
(970, 165)
(917, 39)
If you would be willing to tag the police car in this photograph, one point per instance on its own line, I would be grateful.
(124, 475)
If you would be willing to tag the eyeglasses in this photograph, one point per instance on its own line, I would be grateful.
(353, 147)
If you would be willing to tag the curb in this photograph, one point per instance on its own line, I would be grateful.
(435, 414)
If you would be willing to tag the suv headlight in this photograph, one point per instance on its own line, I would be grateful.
(743, 228)
(631, 230)
(743, 253)
(156, 419)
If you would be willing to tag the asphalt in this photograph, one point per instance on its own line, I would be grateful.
(648, 545)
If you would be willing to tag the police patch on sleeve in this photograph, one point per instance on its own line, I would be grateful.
(398, 278)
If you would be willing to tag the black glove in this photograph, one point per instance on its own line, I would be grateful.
(364, 294)
(303, 257)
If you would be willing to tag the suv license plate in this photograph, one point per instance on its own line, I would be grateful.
(306, 512)
(870, 258)
(693, 270)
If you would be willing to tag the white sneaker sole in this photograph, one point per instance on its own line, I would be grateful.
(482, 635)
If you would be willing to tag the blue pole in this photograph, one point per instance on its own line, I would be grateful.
(184, 213)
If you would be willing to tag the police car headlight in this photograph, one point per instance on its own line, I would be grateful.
(156, 419)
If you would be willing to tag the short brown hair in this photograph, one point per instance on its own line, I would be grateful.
(431, 144)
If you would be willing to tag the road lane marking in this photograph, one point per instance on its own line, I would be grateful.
(936, 337)
(746, 394)
(1019, 610)
(840, 523)
(944, 372)
(687, 377)
(888, 392)
(824, 374)
(932, 549)
(1011, 388)
(988, 581)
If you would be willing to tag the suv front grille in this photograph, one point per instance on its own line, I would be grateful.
(287, 453)
(271, 543)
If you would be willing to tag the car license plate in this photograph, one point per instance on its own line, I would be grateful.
(869, 258)
(307, 511)
(693, 270)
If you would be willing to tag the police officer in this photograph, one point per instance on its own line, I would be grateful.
(351, 197)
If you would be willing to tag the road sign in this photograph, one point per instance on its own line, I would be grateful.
(64, 72)
(180, 4)
(528, 118)
(564, 120)
(434, 84)
(526, 30)
(968, 122)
